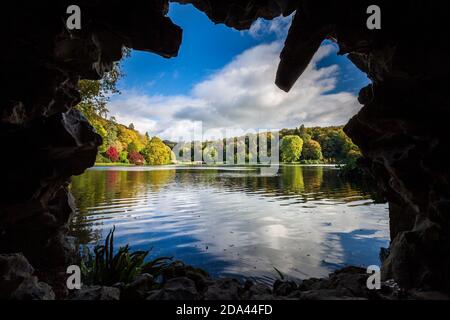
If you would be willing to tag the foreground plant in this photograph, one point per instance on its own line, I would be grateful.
(106, 268)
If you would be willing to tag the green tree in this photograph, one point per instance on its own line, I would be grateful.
(93, 105)
(132, 147)
(95, 93)
(156, 152)
(124, 157)
(111, 133)
(210, 154)
(291, 148)
(103, 133)
(333, 144)
(311, 150)
(303, 133)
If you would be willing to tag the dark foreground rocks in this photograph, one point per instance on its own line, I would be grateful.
(192, 284)
(19, 282)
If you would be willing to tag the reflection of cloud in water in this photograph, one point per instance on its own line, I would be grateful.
(359, 247)
(303, 221)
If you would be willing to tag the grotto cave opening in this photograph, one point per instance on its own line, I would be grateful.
(310, 222)
(401, 129)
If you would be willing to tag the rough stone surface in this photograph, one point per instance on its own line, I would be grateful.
(256, 291)
(345, 284)
(176, 289)
(18, 282)
(402, 128)
(97, 293)
(47, 139)
(284, 288)
(223, 289)
(137, 290)
(32, 289)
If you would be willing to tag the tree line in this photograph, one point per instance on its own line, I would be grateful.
(313, 145)
(303, 145)
(317, 144)
(126, 145)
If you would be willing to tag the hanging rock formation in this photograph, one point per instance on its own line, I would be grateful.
(401, 129)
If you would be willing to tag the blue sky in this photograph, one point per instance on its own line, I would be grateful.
(222, 76)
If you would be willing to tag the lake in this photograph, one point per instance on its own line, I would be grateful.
(306, 221)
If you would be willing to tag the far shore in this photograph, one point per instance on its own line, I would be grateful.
(120, 164)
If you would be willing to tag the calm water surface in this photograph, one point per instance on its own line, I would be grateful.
(306, 221)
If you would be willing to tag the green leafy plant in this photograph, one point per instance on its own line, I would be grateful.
(279, 273)
(106, 268)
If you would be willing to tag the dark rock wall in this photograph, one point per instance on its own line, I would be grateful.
(402, 128)
(44, 140)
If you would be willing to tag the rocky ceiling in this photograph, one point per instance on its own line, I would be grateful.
(402, 128)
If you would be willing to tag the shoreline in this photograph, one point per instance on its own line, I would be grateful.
(181, 165)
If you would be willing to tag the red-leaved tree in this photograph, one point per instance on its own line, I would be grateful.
(112, 154)
(136, 158)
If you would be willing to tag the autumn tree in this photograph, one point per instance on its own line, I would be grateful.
(311, 150)
(136, 158)
(113, 154)
(156, 152)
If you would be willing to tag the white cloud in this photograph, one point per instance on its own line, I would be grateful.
(243, 95)
(278, 26)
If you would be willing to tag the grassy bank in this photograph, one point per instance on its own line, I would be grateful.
(113, 164)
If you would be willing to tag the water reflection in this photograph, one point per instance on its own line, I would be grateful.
(305, 221)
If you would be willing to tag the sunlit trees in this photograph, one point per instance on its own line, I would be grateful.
(103, 133)
(291, 148)
(128, 136)
(156, 152)
(95, 93)
(112, 131)
(311, 150)
(334, 142)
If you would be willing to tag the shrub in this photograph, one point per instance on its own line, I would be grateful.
(291, 148)
(112, 154)
(105, 268)
(102, 159)
(311, 162)
(136, 158)
(124, 157)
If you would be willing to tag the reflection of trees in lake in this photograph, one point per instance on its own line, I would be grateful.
(103, 188)
(308, 183)
(156, 180)
(122, 189)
